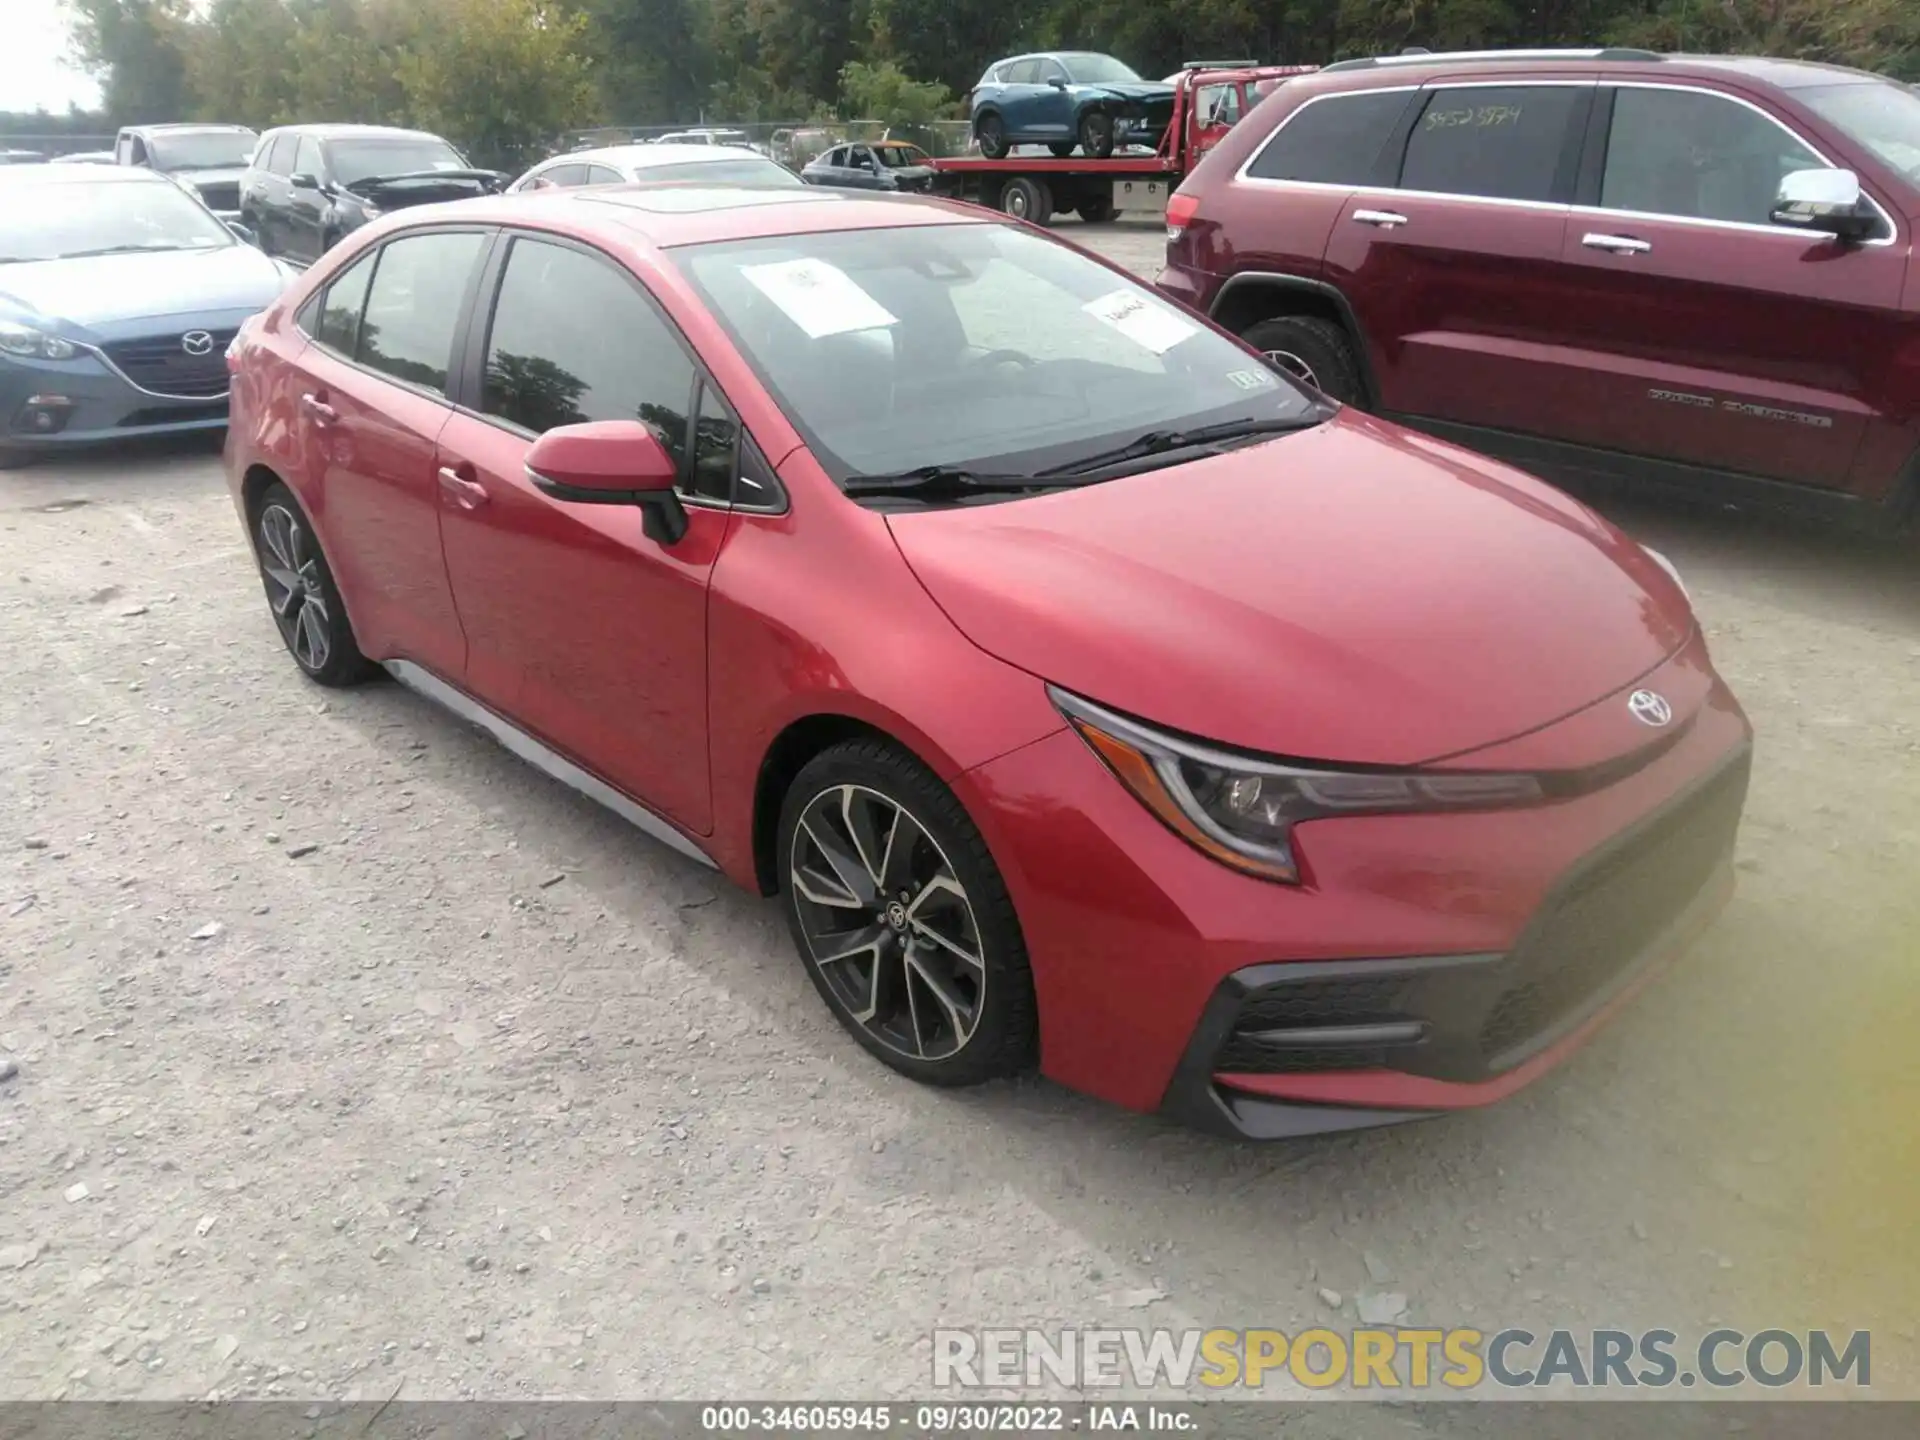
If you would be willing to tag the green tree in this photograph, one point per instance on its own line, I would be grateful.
(884, 91)
(138, 48)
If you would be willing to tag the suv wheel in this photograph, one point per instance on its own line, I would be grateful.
(991, 132)
(1096, 134)
(902, 919)
(1310, 349)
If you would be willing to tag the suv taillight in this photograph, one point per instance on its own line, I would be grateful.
(1180, 210)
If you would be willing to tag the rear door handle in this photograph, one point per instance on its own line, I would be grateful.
(1618, 244)
(1385, 219)
(467, 493)
(322, 412)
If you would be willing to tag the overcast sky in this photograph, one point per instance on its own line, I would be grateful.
(37, 72)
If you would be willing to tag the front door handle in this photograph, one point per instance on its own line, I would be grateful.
(322, 413)
(1385, 219)
(467, 493)
(1618, 244)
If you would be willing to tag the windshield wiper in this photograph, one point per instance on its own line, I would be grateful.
(1161, 442)
(149, 247)
(930, 482)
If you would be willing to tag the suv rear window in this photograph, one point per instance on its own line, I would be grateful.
(1335, 140)
(1501, 141)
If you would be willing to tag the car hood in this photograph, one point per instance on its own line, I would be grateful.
(1131, 90)
(101, 293)
(426, 187)
(221, 175)
(1352, 593)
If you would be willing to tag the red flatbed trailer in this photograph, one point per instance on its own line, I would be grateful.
(1209, 98)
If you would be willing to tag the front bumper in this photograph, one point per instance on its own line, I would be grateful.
(1433, 962)
(88, 401)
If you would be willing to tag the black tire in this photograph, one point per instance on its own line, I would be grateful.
(1098, 210)
(1061, 149)
(1314, 350)
(1026, 198)
(1096, 133)
(995, 995)
(309, 615)
(991, 131)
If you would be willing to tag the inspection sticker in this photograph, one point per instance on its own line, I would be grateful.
(820, 298)
(1150, 326)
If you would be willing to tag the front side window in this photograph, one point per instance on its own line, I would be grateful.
(973, 345)
(1499, 141)
(1089, 69)
(306, 158)
(1218, 104)
(572, 341)
(1336, 140)
(419, 289)
(346, 298)
(277, 159)
(1696, 156)
(1050, 71)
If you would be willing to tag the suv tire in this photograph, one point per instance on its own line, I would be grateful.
(1314, 350)
(1096, 133)
(991, 131)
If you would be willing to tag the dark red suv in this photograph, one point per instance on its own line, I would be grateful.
(1695, 271)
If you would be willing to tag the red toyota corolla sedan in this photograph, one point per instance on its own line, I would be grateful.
(1090, 694)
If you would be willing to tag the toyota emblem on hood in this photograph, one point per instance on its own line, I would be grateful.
(197, 342)
(1650, 708)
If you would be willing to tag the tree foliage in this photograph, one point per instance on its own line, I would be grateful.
(505, 76)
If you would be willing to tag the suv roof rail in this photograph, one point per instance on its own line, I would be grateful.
(1414, 56)
(1220, 65)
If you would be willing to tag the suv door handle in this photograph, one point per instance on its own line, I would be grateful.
(323, 413)
(1385, 219)
(463, 490)
(1618, 244)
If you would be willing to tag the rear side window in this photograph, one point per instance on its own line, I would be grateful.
(1336, 140)
(340, 309)
(572, 340)
(1500, 141)
(565, 175)
(1691, 154)
(601, 175)
(279, 159)
(419, 289)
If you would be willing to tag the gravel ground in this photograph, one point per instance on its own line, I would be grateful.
(347, 1056)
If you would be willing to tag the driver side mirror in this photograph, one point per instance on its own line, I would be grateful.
(612, 462)
(1828, 201)
(305, 181)
(243, 233)
(1057, 82)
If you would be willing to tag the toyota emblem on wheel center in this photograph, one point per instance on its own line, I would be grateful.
(197, 342)
(1650, 708)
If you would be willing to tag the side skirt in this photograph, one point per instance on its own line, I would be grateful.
(542, 757)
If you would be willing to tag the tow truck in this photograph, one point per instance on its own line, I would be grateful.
(1209, 98)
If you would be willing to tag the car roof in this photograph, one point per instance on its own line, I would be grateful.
(49, 174)
(355, 132)
(650, 155)
(666, 214)
(1617, 62)
(172, 126)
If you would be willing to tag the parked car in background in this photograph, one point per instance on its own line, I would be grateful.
(626, 164)
(881, 165)
(311, 184)
(21, 157)
(119, 292)
(711, 135)
(212, 159)
(1065, 99)
(1687, 271)
(85, 157)
(794, 148)
(946, 582)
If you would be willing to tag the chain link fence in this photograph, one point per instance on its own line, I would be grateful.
(791, 142)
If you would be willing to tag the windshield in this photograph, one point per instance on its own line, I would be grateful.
(355, 160)
(980, 346)
(1882, 116)
(1097, 70)
(54, 222)
(899, 157)
(744, 171)
(202, 150)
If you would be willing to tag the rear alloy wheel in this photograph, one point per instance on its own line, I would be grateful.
(991, 132)
(301, 593)
(1026, 198)
(1314, 350)
(902, 918)
(1096, 134)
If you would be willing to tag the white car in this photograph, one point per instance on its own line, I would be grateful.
(699, 164)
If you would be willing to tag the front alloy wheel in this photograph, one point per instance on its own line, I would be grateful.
(903, 919)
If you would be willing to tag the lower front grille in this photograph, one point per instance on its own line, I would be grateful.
(165, 365)
(1606, 914)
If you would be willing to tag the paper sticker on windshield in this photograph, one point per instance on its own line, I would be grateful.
(1150, 326)
(820, 298)
(1251, 379)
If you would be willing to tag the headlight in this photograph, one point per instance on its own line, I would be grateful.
(1671, 569)
(1241, 810)
(16, 339)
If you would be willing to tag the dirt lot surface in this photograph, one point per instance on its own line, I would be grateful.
(347, 1055)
